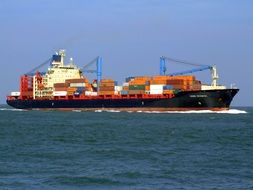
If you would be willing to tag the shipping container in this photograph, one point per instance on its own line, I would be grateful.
(90, 93)
(60, 88)
(118, 88)
(168, 91)
(70, 93)
(124, 92)
(80, 80)
(167, 87)
(26, 93)
(77, 84)
(15, 93)
(175, 82)
(107, 81)
(126, 88)
(60, 93)
(60, 85)
(156, 87)
(163, 82)
(106, 93)
(106, 84)
(136, 92)
(125, 84)
(156, 91)
(137, 87)
(147, 88)
(106, 88)
(71, 89)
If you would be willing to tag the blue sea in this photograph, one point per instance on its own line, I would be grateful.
(126, 150)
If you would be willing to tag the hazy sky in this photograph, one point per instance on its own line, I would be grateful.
(130, 35)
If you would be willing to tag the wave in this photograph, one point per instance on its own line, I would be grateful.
(11, 109)
(113, 111)
(230, 111)
(76, 110)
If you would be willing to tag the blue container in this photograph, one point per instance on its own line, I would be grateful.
(168, 87)
(80, 89)
(124, 92)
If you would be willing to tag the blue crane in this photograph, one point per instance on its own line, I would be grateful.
(98, 61)
(163, 68)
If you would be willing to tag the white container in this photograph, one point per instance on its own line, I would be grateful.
(156, 91)
(60, 93)
(125, 84)
(15, 93)
(90, 93)
(118, 88)
(77, 84)
(156, 87)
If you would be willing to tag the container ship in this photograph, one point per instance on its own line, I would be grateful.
(65, 86)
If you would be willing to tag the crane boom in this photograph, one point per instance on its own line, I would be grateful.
(213, 69)
(190, 71)
(31, 72)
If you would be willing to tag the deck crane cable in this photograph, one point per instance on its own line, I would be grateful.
(38, 67)
(89, 64)
(213, 69)
(182, 62)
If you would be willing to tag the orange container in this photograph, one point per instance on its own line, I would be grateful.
(136, 92)
(56, 85)
(71, 89)
(168, 91)
(106, 88)
(106, 84)
(107, 81)
(80, 80)
(147, 88)
(125, 88)
(106, 93)
(158, 82)
(60, 88)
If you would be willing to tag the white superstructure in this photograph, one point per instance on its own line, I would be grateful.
(57, 73)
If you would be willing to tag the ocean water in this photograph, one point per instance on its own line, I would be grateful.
(124, 150)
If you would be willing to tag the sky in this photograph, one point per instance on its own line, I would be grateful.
(130, 35)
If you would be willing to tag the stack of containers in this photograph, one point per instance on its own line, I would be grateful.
(157, 84)
(182, 82)
(77, 86)
(60, 89)
(125, 88)
(106, 87)
(167, 84)
(159, 80)
(139, 85)
(26, 86)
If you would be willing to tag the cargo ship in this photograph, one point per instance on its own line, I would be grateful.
(65, 87)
